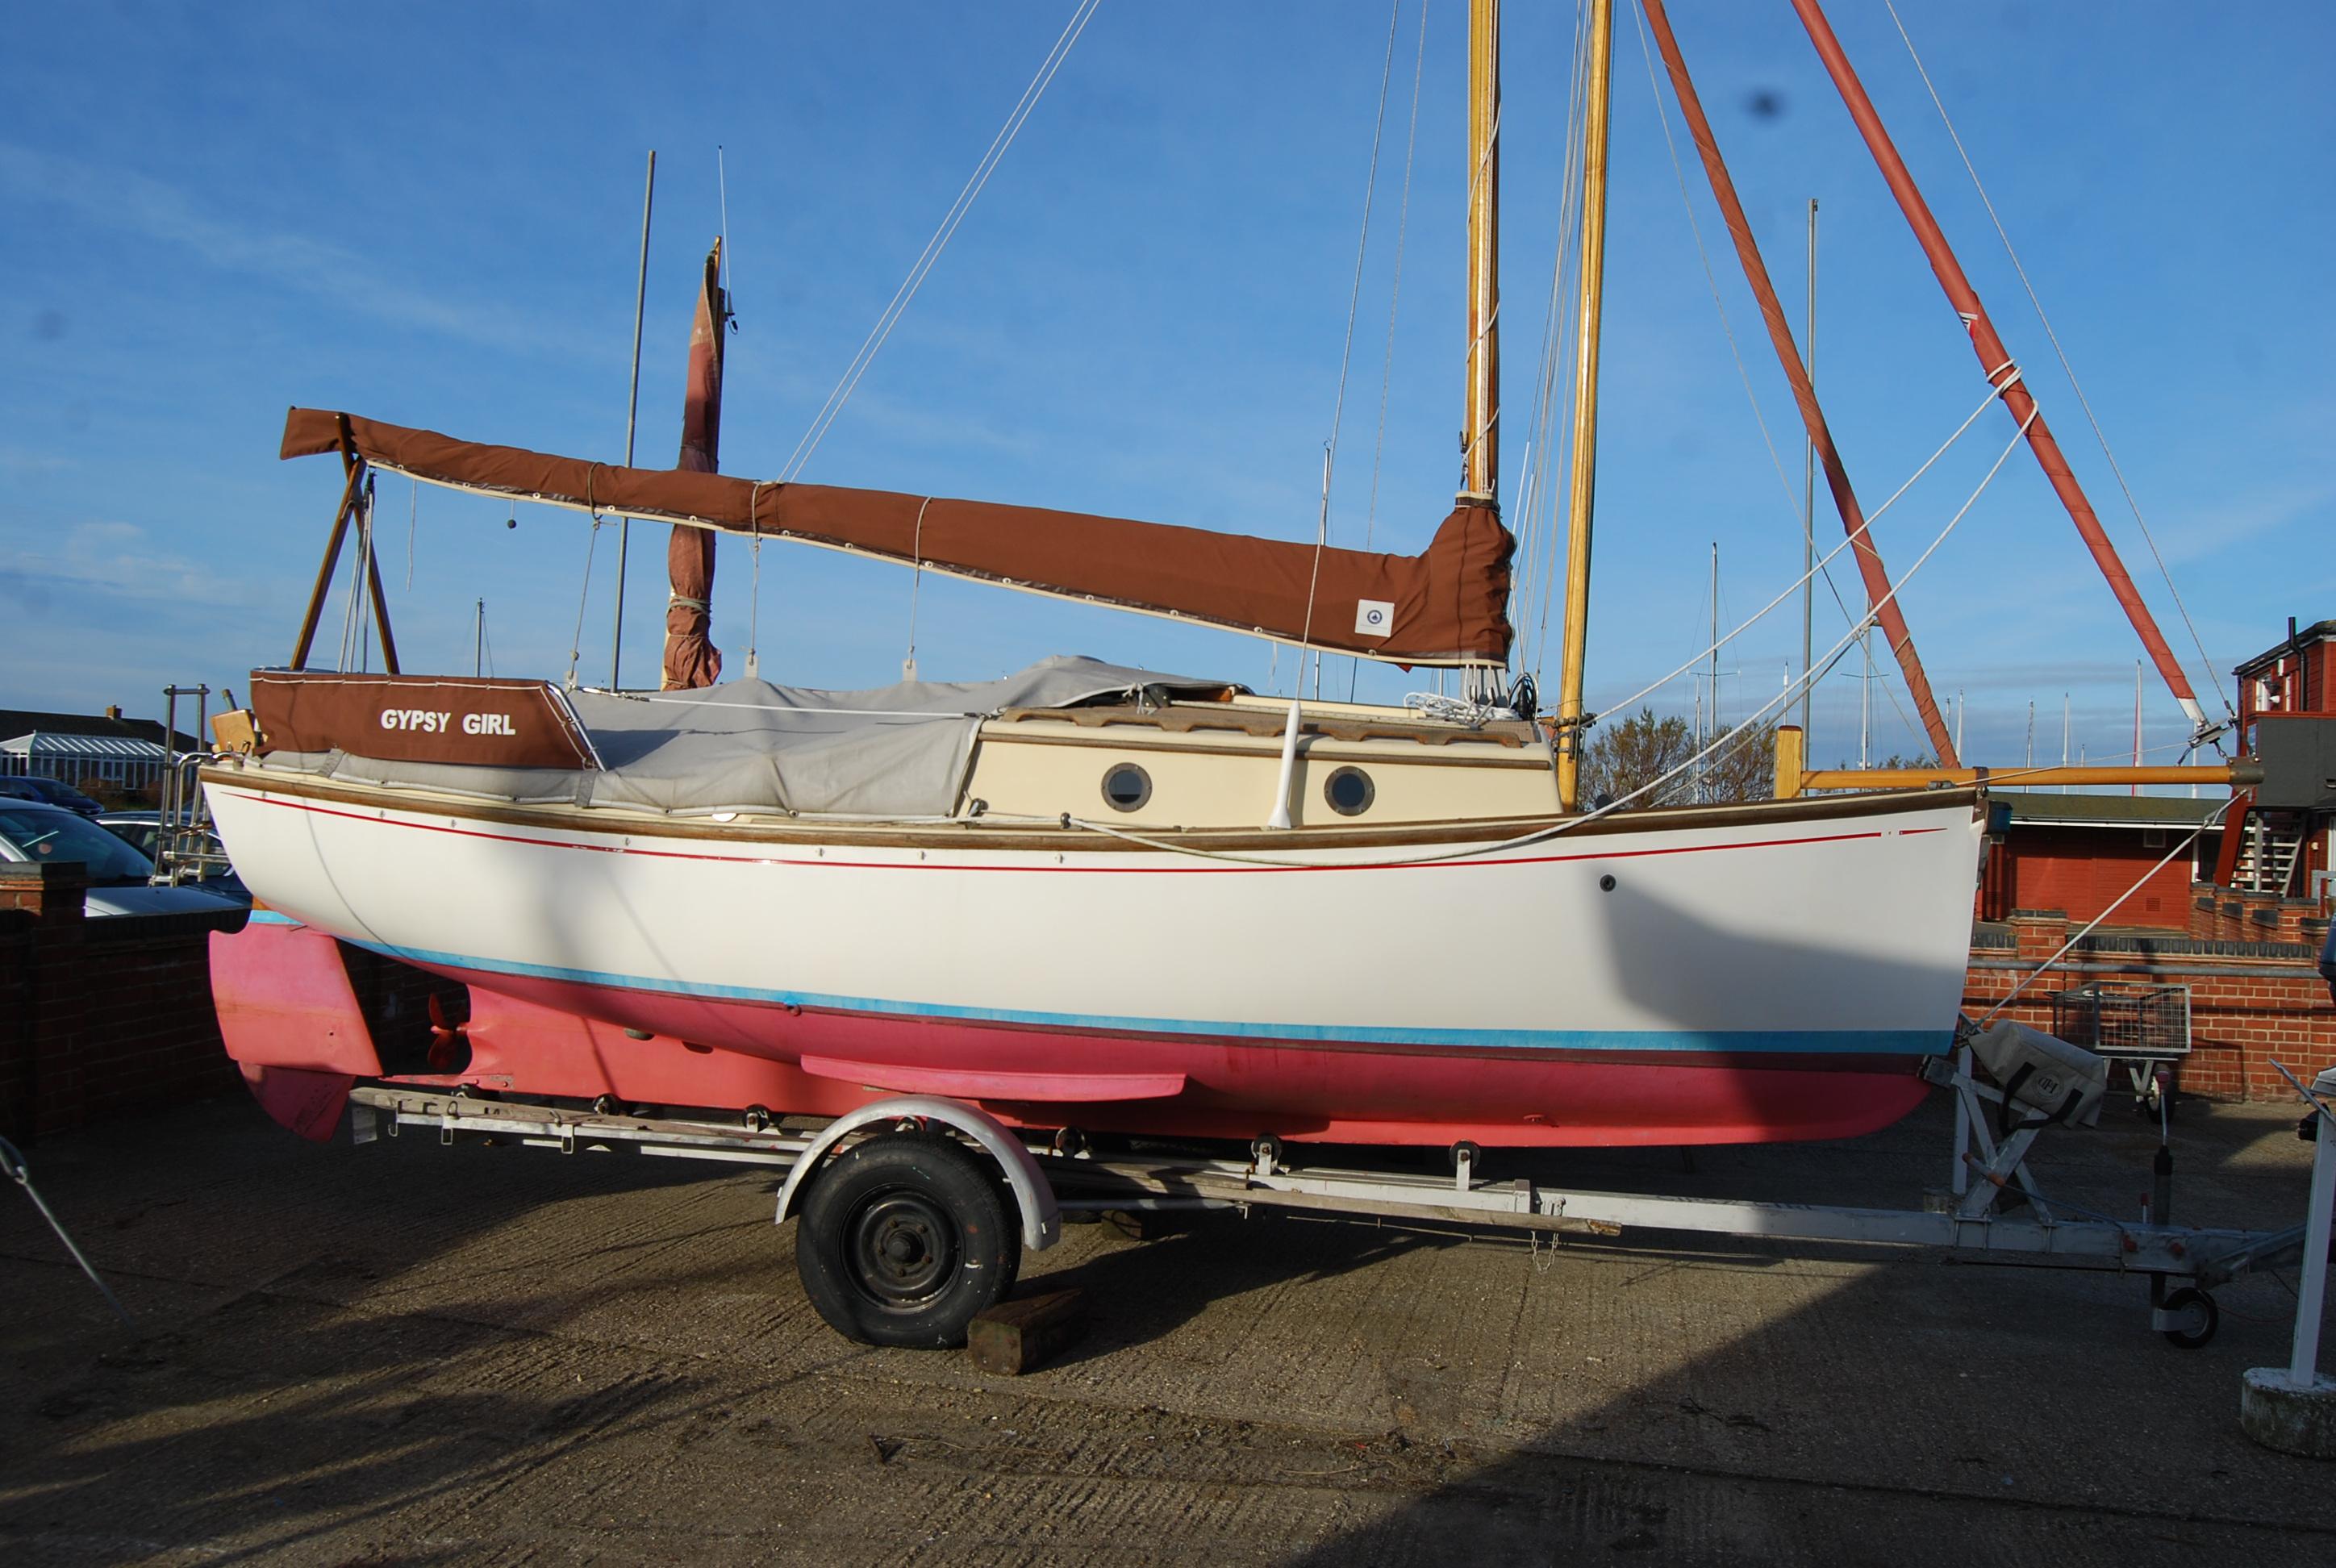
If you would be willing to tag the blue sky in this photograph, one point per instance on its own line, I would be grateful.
(430, 215)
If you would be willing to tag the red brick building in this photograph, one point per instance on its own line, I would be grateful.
(2286, 839)
(2079, 854)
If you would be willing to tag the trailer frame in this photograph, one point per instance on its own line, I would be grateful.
(1053, 1174)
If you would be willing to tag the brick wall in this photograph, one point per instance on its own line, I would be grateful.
(2251, 999)
(99, 1016)
(102, 1017)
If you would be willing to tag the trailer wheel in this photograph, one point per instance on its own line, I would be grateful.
(904, 1238)
(2204, 1317)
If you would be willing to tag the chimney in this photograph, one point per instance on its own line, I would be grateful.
(113, 710)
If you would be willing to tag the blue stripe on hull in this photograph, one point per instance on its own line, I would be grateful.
(1908, 1043)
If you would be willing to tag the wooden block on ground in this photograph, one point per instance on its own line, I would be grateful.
(1018, 1336)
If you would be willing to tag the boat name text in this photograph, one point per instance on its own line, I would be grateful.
(432, 723)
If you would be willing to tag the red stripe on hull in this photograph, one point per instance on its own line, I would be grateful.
(546, 1037)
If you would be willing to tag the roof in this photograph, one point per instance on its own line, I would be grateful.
(16, 723)
(40, 744)
(2325, 632)
(2106, 811)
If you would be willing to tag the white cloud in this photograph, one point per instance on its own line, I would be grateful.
(116, 560)
(120, 199)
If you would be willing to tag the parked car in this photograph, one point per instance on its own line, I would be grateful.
(49, 792)
(35, 832)
(142, 830)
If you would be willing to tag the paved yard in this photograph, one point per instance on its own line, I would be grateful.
(405, 1353)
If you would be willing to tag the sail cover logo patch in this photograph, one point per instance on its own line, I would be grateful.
(1373, 617)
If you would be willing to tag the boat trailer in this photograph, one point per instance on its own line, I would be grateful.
(915, 1210)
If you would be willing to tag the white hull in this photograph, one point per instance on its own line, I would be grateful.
(1767, 932)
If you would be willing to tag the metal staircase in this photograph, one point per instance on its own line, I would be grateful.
(2267, 856)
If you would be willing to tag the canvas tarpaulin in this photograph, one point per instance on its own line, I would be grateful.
(896, 751)
(1448, 605)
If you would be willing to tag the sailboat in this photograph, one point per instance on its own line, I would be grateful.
(1087, 895)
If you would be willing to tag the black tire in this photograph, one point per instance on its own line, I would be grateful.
(2210, 1317)
(903, 1237)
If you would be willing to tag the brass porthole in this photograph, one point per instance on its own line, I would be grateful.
(1126, 788)
(1348, 791)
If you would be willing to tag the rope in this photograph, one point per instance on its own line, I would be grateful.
(2213, 683)
(1346, 358)
(12, 1164)
(413, 509)
(931, 254)
(2212, 819)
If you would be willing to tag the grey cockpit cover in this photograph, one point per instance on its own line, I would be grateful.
(747, 745)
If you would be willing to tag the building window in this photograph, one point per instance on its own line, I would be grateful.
(2153, 837)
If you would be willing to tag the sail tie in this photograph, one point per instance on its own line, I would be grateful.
(754, 592)
(916, 581)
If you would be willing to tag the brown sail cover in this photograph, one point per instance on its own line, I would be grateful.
(1448, 605)
(691, 659)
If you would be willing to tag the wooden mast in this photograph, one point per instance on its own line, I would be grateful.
(1584, 467)
(1480, 432)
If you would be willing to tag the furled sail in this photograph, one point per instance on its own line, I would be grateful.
(691, 659)
(1445, 606)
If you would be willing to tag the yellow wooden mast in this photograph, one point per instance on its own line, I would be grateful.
(1480, 433)
(1584, 468)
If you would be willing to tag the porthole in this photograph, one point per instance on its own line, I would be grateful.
(1350, 791)
(1126, 788)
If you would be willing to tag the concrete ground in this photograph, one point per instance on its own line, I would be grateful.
(410, 1354)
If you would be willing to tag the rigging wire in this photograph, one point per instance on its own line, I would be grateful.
(931, 254)
(1395, 287)
(1719, 744)
(1346, 355)
(583, 597)
(2213, 818)
(2213, 682)
(1560, 334)
(722, 190)
(1395, 298)
(1849, 540)
(1726, 326)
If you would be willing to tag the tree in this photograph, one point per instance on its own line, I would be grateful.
(1624, 758)
(1894, 763)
